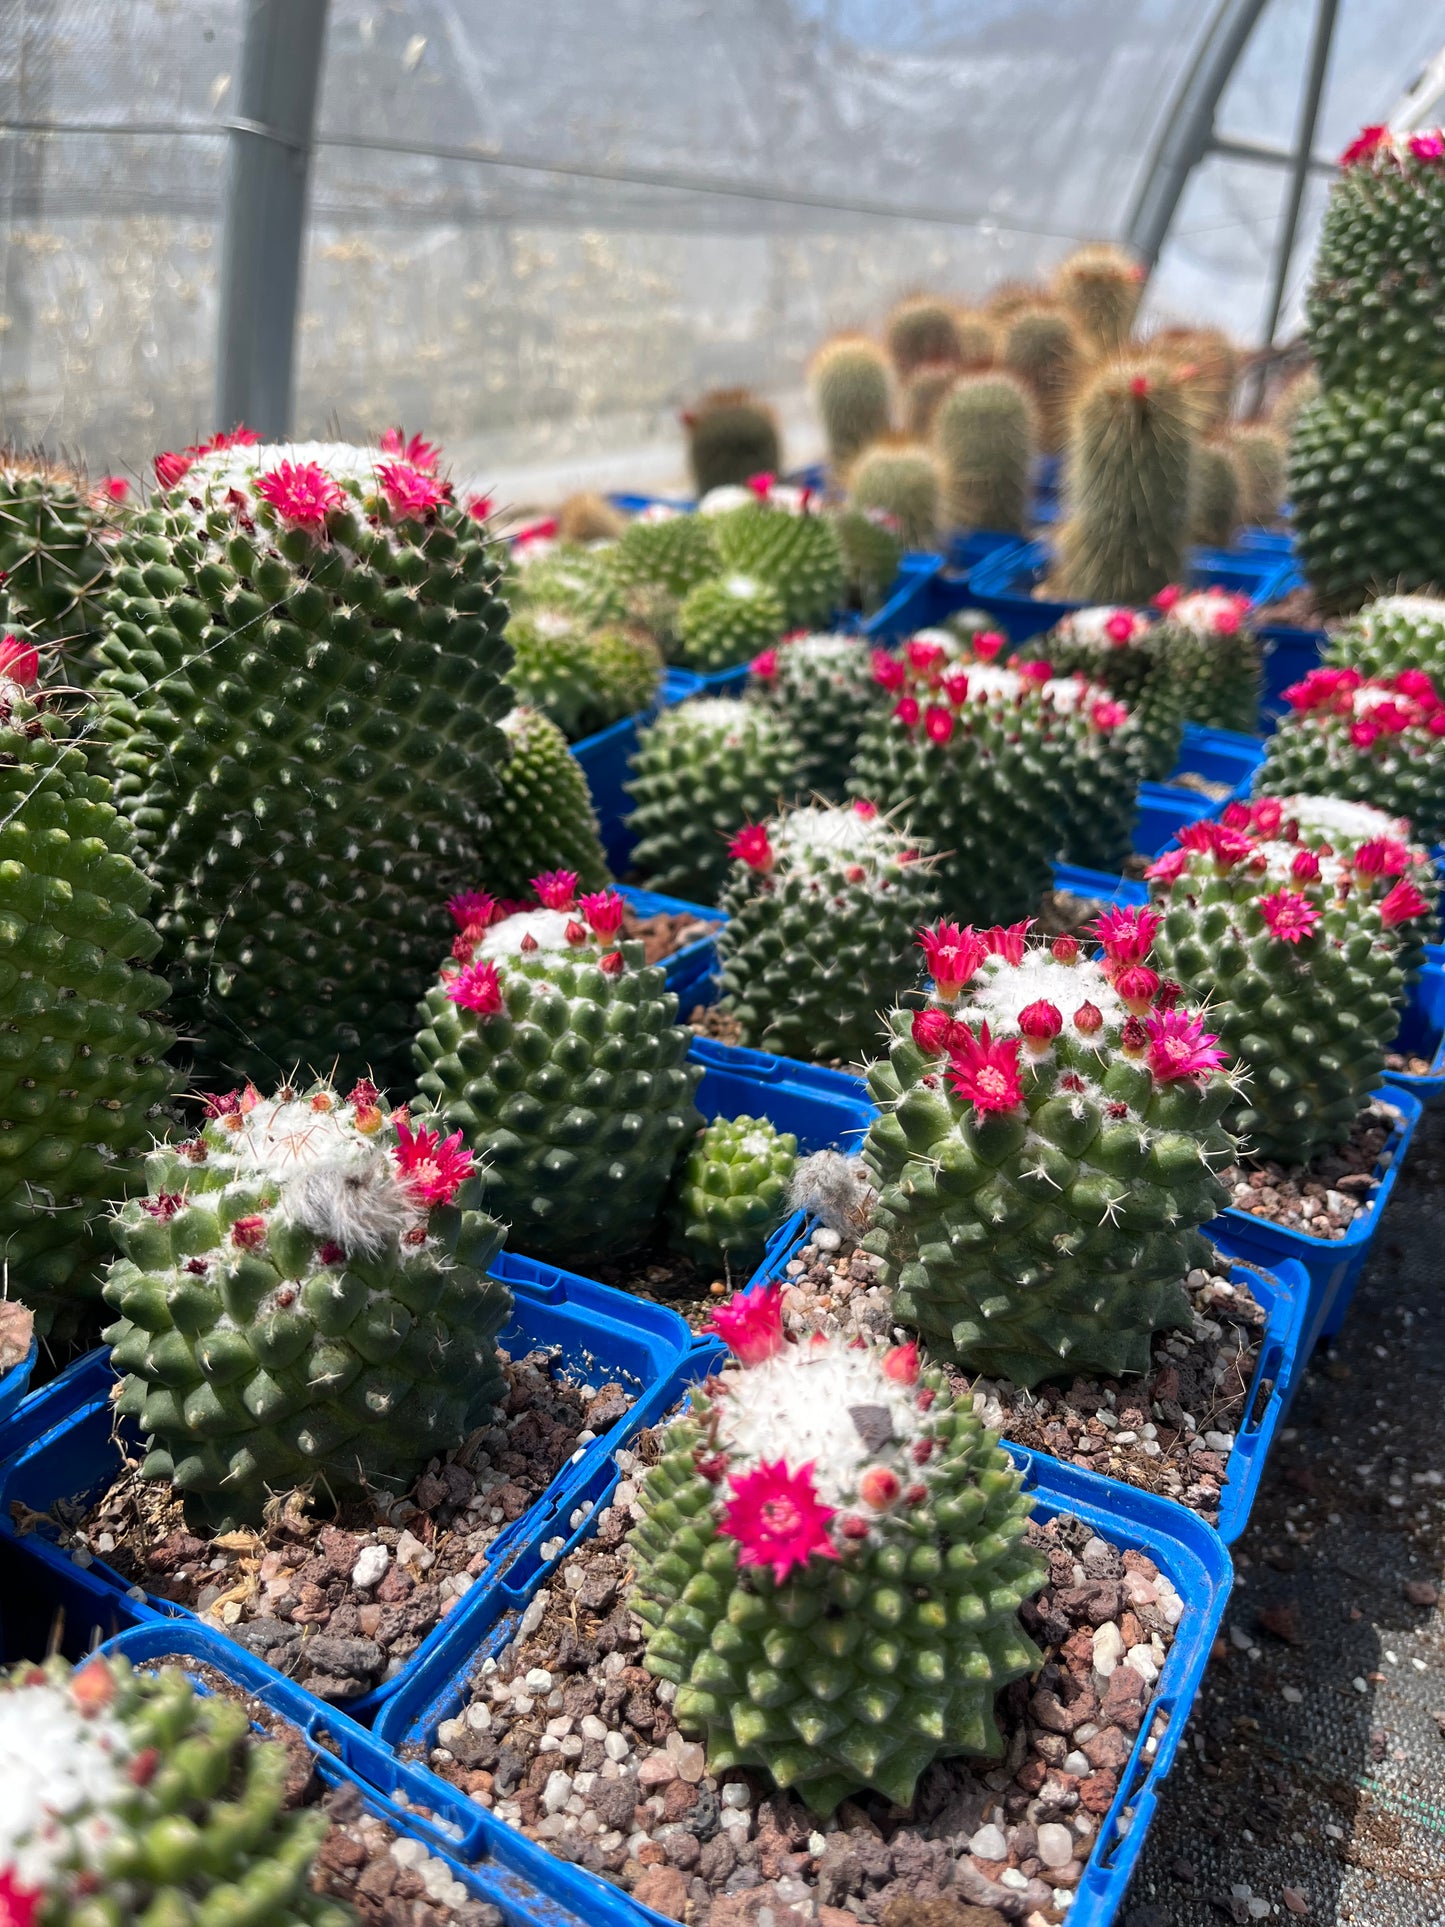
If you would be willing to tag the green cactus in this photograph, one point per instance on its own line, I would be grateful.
(726, 620)
(1044, 1153)
(985, 434)
(583, 679)
(1367, 741)
(557, 1053)
(1126, 486)
(301, 687)
(1214, 513)
(730, 1192)
(850, 387)
(303, 1294)
(1042, 349)
(731, 436)
(1119, 650)
(569, 580)
(1394, 633)
(53, 559)
(786, 543)
(701, 771)
(921, 329)
(1258, 451)
(82, 1070)
(871, 555)
(900, 480)
(665, 550)
(822, 909)
(823, 689)
(544, 818)
(1101, 286)
(1206, 363)
(920, 396)
(830, 1564)
(1207, 644)
(134, 1797)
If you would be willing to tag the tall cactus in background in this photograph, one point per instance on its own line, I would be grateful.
(985, 433)
(921, 392)
(1101, 286)
(922, 328)
(1213, 495)
(1042, 348)
(851, 391)
(1207, 364)
(1258, 452)
(901, 479)
(731, 436)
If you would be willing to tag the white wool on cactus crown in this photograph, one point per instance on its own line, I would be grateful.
(798, 1406)
(1069, 693)
(1352, 823)
(658, 512)
(546, 928)
(820, 831)
(1001, 990)
(744, 588)
(235, 467)
(62, 1778)
(281, 1136)
(988, 679)
(731, 495)
(1201, 609)
(1414, 608)
(715, 714)
(1280, 857)
(1091, 625)
(829, 648)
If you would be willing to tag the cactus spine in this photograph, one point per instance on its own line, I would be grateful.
(985, 433)
(900, 479)
(852, 394)
(1042, 349)
(1100, 285)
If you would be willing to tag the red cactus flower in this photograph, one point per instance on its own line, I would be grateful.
(469, 907)
(1121, 626)
(1133, 1041)
(1065, 949)
(888, 672)
(751, 1323)
(984, 1070)
(431, 1167)
(1227, 613)
(604, 911)
(249, 1232)
(1415, 684)
(900, 1363)
(478, 988)
(1137, 985)
(924, 657)
(751, 846)
(879, 1487)
(1230, 847)
(1436, 723)
(955, 687)
(418, 452)
(363, 1091)
(1108, 715)
(1391, 719)
(613, 964)
(556, 889)
(172, 468)
(778, 1519)
(937, 723)
(1289, 915)
(410, 492)
(1126, 932)
(1169, 867)
(1041, 1022)
(1364, 734)
(1037, 671)
(1429, 146)
(1367, 142)
(953, 953)
(761, 484)
(114, 488)
(1180, 1047)
(1403, 904)
(765, 666)
(1168, 597)
(575, 932)
(987, 644)
(862, 807)
(1305, 867)
(1382, 856)
(302, 493)
(480, 507)
(932, 1029)
(907, 712)
(1008, 940)
(1268, 814)
(19, 661)
(1088, 1019)
(1237, 816)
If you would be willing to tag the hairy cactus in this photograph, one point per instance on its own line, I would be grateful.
(1100, 285)
(1396, 632)
(851, 391)
(557, 1053)
(726, 620)
(583, 679)
(588, 517)
(900, 479)
(868, 539)
(984, 434)
(731, 436)
(544, 818)
(781, 538)
(700, 771)
(730, 1192)
(830, 1564)
(823, 688)
(1207, 363)
(303, 1294)
(1119, 650)
(920, 329)
(1374, 741)
(1302, 976)
(301, 685)
(1209, 647)
(1126, 487)
(664, 549)
(1213, 495)
(133, 1797)
(1044, 1152)
(1258, 451)
(53, 561)
(82, 1071)
(1005, 299)
(921, 393)
(1042, 349)
(822, 905)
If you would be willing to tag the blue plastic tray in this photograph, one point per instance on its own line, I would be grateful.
(15, 1383)
(597, 1330)
(1188, 1552)
(1219, 756)
(605, 756)
(1422, 1032)
(1162, 809)
(686, 967)
(825, 1109)
(905, 607)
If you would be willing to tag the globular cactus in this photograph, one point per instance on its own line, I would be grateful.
(701, 771)
(589, 517)
(557, 1053)
(1213, 495)
(1101, 287)
(1005, 299)
(724, 621)
(301, 687)
(1208, 644)
(1126, 486)
(730, 1192)
(823, 688)
(133, 1797)
(1119, 650)
(783, 539)
(589, 586)
(822, 905)
(852, 393)
(1303, 978)
(303, 1294)
(985, 434)
(1043, 350)
(582, 679)
(921, 329)
(920, 395)
(731, 436)
(1258, 452)
(1394, 633)
(901, 480)
(1376, 740)
(1102, 775)
(82, 1070)
(54, 557)
(665, 549)
(871, 550)
(1045, 1152)
(830, 1564)
(544, 818)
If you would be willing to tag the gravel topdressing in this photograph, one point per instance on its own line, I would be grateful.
(666, 932)
(1323, 1198)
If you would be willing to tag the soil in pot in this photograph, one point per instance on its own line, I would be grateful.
(1322, 1199)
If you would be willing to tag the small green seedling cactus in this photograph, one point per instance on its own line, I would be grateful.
(730, 1192)
(1377, 740)
(985, 433)
(544, 818)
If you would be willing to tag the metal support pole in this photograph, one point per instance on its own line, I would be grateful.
(1186, 134)
(271, 139)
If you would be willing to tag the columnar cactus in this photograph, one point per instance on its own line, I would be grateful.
(900, 479)
(724, 621)
(700, 771)
(82, 1071)
(822, 905)
(53, 561)
(1101, 286)
(851, 391)
(730, 1192)
(984, 434)
(1207, 362)
(731, 435)
(1042, 349)
(1376, 740)
(1208, 645)
(1045, 1151)
(1213, 495)
(1303, 978)
(301, 685)
(824, 689)
(583, 679)
(1258, 452)
(556, 1052)
(830, 1564)
(303, 1294)
(1119, 650)
(133, 1797)
(920, 395)
(1126, 485)
(544, 818)
(921, 329)
(1396, 632)
(781, 538)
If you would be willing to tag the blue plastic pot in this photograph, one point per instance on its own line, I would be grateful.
(14, 1384)
(1188, 1552)
(1422, 1032)
(908, 602)
(825, 1109)
(1219, 756)
(685, 968)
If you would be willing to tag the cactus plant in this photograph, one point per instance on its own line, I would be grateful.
(830, 1564)
(1044, 1152)
(726, 620)
(1101, 286)
(700, 771)
(303, 1294)
(823, 688)
(1119, 650)
(871, 550)
(544, 818)
(1213, 495)
(664, 549)
(53, 562)
(1374, 741)
(1042, 349)
(1103, 772)
(922, 328)
(557, 1053)
(731, 436)
(1126, 486)
(730, 1192)
(849, 382)
(1258, 451)
(921, 393)
(583, 679)
(900, 479)
(301, 686)
(132, 1797)
(1394, 633)
(780, 538)
(984, 434)
(822, 904)
(586, 584)
(589, 517)
(1210, 648)
(83, 1075)
(1207, 363)
(1303, 979)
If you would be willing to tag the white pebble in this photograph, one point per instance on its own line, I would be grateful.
(1078, 1764)
(826, 1239)
(735, 1796)
(538, 1681)
(1292, 1694)
(408, 1853)
(557, 1792)
(736, 1818)
(479, 1716)
(532, 1618)
(1108, 1650)
(370, 1567)
(411, 1552)
(626, 1493)
(593, 1728)
(616, 1747)
(989, 1844)
(1011, 1877)
(1056, 1844)
(1142, 1660)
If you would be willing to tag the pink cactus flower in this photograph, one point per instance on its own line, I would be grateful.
(987, 644)
(1428, 146)
(1108, 715)
(1168, 597)
(1365, 734)
(471, 907)
(888, 671)
(410, 492)
(1415, 684)
(907, 712)
(1403, 904)
(750, 1324)
(556, 889)
(862, 807)
(1366, 143)
(1237, 816)
(114, 488)
(932, 1029)
(19, 661)
(1137, 986)
(1289, 915)
(302, 493)
(1305, 867)
(1382, 856)
(480, 507)
(1088, 1019)
(1169, 867)
(1121, 626)
(604, 911)
(477, 987)
(1268, 814)
(249, 1233)
(1180, 1047)
(172, 469)
(1008, 940)
(765, 666)
(924, 657)
(1041, 1022)
(1126, 933)
(1065, 949)
(952, 952)
(431, 1167)
(418, 452)
(900, 1363)
(1037, 671)
(984, 1070)
(761, 484)
(955, 687)
(751, 846)
(937, 723)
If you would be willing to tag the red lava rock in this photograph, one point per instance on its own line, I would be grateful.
(664, 1890)
(393, 1587)
(1107, 1751)
(678, 1798)
(1097, 1792)
(1135, 1561)
(1124, 1699)
(1031, 1775)
(1420, 1592)
(746, 1910)
(1051, 1713)
(1281, 1621)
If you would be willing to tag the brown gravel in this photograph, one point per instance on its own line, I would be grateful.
(289, 1592)
(17, 1329)
(708, 1021)
(569, 1737)
(1410, 1065)
(1322, 1198)
(1201, 786)
(665, 933)
(1297, 610)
